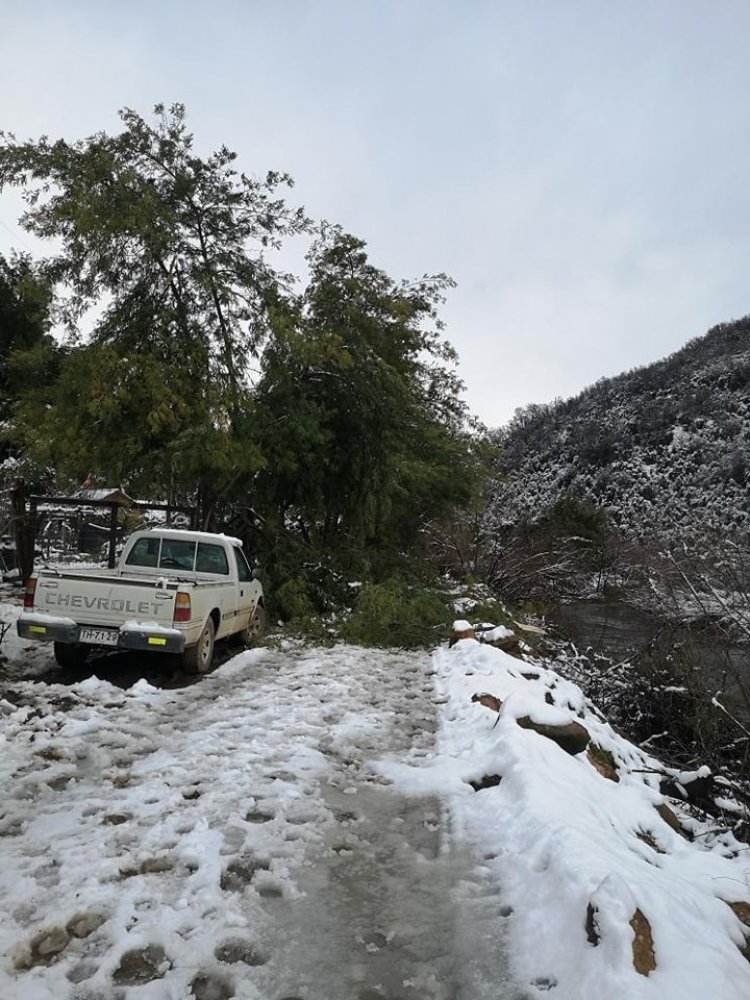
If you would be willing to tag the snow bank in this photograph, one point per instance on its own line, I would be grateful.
(583, 858)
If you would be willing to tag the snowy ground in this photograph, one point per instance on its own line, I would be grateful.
(299, 825)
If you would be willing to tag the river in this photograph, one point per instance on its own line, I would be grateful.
(621, 631)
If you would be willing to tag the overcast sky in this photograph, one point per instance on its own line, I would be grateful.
(581, 169)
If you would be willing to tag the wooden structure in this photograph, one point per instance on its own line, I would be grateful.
(108, 499)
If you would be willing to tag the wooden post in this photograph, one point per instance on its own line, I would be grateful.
(112, 535)
(24, 529)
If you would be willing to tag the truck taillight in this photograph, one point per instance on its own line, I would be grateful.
(28, 597)
(182, 609)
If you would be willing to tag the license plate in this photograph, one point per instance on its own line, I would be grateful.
(99, 636)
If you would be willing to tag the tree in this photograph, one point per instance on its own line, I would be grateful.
(29, 357)
(171, 247)
(25, 302)
(359, 406)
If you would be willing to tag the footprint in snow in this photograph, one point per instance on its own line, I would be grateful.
(47, 875)
(43, 949)
(241, 872)
(346, 817)
(142, 965)
(236, 950)
(210, 986)
(374, 941)
(81, 971)
(234, 838)
(115, 819)
(544, 983)
(270, 891)
(259, 816)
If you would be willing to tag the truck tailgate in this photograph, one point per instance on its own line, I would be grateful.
(97, 600)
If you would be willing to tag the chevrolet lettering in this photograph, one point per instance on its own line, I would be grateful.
(101, 604)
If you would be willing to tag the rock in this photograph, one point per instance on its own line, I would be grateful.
(461, 630)
(488, 781)
(592, 927)
(644, 959)
(510, 645)
(648, 839)
(603, 761)
(572, 737)
(488, 700)
(670, 818)
(742, 912)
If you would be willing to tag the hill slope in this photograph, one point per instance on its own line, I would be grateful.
(665, 448)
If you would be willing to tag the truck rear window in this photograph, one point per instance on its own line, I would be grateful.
(145, 552)
(211, 559)
(176, 554)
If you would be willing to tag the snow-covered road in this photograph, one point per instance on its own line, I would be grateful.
(238, 838)
(349, 824)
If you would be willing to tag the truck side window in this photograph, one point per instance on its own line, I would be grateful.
(211, 559)
(144, 553)
(243, 570)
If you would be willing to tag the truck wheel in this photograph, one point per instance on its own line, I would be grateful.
(197, 659)
(71, 654)
(255, 627)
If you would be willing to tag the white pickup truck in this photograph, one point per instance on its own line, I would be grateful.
(173, 592)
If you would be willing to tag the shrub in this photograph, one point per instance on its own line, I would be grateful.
(292, 599)
(394, 613)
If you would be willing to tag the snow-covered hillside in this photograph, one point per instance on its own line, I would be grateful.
(665, 449)
(330, 824)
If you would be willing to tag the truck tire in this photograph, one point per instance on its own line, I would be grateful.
(71, 655)
(255, 627)
(197, 659)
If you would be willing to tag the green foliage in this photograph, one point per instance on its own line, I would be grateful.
(28, 356)
(132, 419)
(573, 517)
(326, 428)
(175, 245)
(394, 613)
(359, 407)
(293, 599)
(492, 612)
(25, 303)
